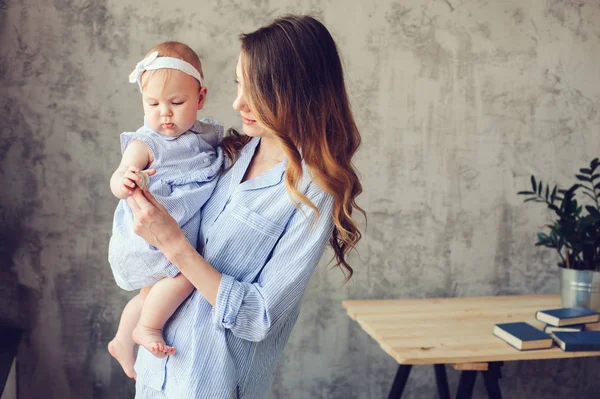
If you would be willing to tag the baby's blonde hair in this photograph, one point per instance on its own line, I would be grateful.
(181, 51)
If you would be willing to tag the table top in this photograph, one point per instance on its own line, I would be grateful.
(453, 330)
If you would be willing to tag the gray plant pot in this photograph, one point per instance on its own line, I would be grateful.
(580, 288)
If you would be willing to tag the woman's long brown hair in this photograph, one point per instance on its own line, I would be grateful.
(294, 85)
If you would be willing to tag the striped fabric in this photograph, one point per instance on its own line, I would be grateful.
(266, 250)
(187, 167)
(145, 392)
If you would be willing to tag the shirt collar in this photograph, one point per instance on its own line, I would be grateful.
(269, 178)
(197, 128)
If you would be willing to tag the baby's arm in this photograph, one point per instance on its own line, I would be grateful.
(136, 157)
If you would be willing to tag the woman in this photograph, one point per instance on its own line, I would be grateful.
(290, 189)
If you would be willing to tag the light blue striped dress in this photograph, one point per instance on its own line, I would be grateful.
(266, 250)
(187, 167)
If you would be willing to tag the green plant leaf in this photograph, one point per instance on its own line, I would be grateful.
(573, 189)
(572, 207)
(540, 187)
(547, 192)
(554, 208)
(586, 171)
(525, 193)
(593, 211)
(587, 221)
(594, 177)
(583, 178)
(563, 204)
(544, 239)
(587, 188)
(530, 199)
(553, 196)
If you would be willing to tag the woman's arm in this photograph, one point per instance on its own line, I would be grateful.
(136, 157)
(252, 311)
(154, 224)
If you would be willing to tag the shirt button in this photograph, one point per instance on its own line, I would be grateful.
(196, 148)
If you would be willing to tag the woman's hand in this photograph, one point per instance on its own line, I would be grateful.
(153, 222)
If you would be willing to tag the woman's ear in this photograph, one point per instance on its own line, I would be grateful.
(201, 97)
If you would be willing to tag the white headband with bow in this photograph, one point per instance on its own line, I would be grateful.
(153, 62)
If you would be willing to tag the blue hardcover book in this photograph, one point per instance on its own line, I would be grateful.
(578, 341)
(567, 316)
(523, 336)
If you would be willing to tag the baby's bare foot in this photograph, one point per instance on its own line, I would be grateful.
(124, 355)
(152, 340)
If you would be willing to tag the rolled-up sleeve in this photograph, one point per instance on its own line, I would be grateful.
(252, 310)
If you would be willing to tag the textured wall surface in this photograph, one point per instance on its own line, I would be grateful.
(458, 103)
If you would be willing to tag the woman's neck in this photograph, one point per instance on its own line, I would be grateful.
(269, 151)
(268, 154)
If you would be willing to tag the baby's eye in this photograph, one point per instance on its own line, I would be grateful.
(152, 104)
(177, 103)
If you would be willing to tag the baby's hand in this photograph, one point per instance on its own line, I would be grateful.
(134, 176)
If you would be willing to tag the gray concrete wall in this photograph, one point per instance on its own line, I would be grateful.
(458, 103)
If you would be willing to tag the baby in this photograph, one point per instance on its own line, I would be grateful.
(182, 158)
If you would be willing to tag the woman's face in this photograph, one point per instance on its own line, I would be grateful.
(251, 126)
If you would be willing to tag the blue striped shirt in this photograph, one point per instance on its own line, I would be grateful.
(266, 250)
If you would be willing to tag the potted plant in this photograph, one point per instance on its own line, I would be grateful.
(574, 234)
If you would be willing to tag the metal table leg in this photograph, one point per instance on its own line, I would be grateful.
(466, 384)
(400, 381)
(441, 381)
(490, 378)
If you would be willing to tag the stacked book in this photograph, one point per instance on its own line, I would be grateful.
(565, 326)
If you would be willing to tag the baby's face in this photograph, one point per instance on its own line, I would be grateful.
(171, 100)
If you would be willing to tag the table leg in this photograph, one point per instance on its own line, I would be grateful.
(400, 381)
(490, 378)
(466, 384)
(441, 381)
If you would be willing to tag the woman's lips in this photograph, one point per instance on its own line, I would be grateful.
(247, 121)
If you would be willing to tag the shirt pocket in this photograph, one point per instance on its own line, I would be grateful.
(257, 222)
(241, 242)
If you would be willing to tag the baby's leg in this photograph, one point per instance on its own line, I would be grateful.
(162, 301)
(122, 346)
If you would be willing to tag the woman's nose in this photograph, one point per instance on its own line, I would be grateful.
(239, 103)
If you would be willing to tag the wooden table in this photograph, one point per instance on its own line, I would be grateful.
(455, 331)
